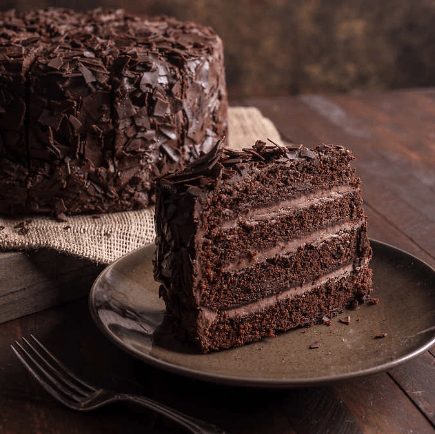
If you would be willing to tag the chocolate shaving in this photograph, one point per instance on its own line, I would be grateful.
(326, 321)
(124, 108)
(306, 153)
(160, 107)
(354, 305)
(380, 335)
(61, 217)
(74, 122)
(315, 345)
(282, 148)
(55, 63)
(87, 74)
(345, 320)
(372, 301)
(173, 153)
(211, 158)
(254, 153)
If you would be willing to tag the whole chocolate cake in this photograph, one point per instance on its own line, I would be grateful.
(94, 106)
(261, 240)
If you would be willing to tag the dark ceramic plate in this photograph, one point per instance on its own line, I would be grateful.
(125, 305)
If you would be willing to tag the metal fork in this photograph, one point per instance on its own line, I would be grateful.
(75, 393)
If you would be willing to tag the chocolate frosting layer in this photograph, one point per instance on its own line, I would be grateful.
(94, 106)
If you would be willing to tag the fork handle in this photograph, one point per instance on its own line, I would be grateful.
(195, 426)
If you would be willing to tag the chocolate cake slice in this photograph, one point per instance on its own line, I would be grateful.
(253, 242)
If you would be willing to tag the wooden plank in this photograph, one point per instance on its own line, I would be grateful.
(404, 120)
(379, 228)
(33, 281)
(417, 379)
(319, 410)
(402, 126)
(379, 406)
(47, 416)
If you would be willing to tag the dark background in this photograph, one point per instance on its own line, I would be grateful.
(277, 47)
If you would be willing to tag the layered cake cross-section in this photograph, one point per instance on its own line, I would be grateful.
(253, 242)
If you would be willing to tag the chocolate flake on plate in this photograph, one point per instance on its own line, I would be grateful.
(354, 305)
(345, 320)
(372, 301)
(326, 320)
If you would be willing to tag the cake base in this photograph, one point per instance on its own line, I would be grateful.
(228, 329)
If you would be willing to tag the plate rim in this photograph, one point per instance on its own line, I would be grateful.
(246, 381)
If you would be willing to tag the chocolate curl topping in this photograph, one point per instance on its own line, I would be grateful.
(210, 159)
(208, 167)
(204, 166)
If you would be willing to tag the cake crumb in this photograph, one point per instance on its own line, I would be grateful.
(380, 335)
(315, 345)
(345, 320)
(354, 305)
(372, 301)
(326, 321)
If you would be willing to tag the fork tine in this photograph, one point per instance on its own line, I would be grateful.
(40, 374)
(67, 376)
(52, 371)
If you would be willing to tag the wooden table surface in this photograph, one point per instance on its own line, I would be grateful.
(393, 138)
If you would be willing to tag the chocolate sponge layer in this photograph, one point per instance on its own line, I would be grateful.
(256, 279)
(225, 246)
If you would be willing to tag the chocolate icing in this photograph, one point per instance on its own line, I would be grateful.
(94, 106)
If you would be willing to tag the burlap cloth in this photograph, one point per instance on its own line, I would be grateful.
(107, 237)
